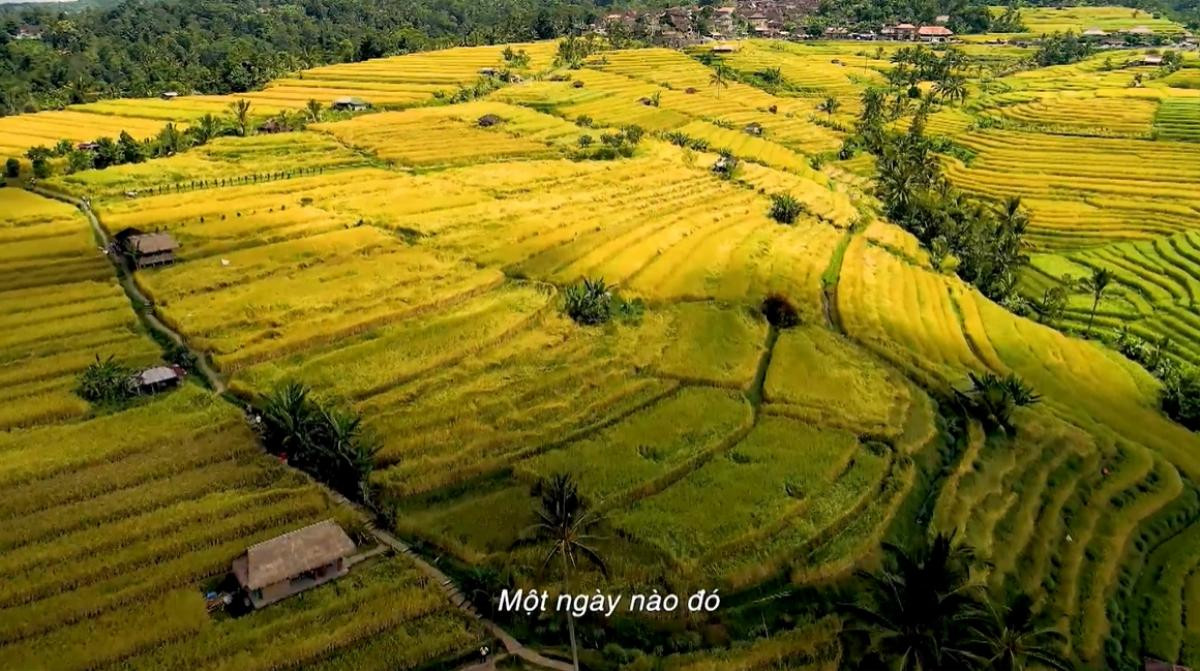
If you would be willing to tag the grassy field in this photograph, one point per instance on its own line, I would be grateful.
(411, 264)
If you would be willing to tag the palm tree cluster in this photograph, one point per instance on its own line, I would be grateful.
(985, 238)
(919, 63)
(993, 399)
(924, 612)
(332, 445)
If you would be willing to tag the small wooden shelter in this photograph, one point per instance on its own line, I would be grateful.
(147, 250)
(350, 103)
(291, 563)
(158, 378)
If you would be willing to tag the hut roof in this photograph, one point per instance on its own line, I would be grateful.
(934, 31)
(156, 375)
(294, 553)
(152, 243)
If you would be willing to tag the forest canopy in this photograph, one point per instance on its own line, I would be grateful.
(141, 47)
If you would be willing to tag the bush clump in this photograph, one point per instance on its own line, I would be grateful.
(589, 302)
(592, 301)
(785, 208)
(1180, 398)
(106, 381)
(780, 312)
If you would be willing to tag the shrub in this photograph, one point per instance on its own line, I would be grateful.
(105, 382)
(785, 208)
(780, 312)
(41, 167)
(1180, 398)
(726, 165)
(585, 140)
(589, 302)
(584, 121)
(12, 168)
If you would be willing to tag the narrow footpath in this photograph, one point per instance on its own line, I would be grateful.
(145, 309)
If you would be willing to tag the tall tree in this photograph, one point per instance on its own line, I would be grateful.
(1015, 638)
(719, 78)
(921, 606)
(564, 519)
(241, 114)
(1096, 283)
(313, 107)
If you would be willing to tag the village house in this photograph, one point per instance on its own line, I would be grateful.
(722, 21)
(904, 31)
(169, 95)
(351, 104)
(289, 564)
(1150, 59)
(146, 250)
(935, 34)
(28, 33)
(156, 379)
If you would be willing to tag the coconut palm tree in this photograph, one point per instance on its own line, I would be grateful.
(313, 107)
(287, 419)
(206, 128)
(829, 105)
(719, 78)
(241, 114)
(1096, 284)
(348, 452)
(921, 607)
(564, 519)
(1017, 639)
(951, 88)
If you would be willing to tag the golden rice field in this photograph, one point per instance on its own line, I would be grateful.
(411, 264)
(1043, 20)
(117, 522)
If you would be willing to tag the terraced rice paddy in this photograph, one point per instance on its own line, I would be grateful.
(165, 493)
(410, 265)
(1045, 20)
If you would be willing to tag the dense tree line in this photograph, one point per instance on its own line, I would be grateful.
(981, 239)
(1062, 48)
(143, 47)
(966, 16)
